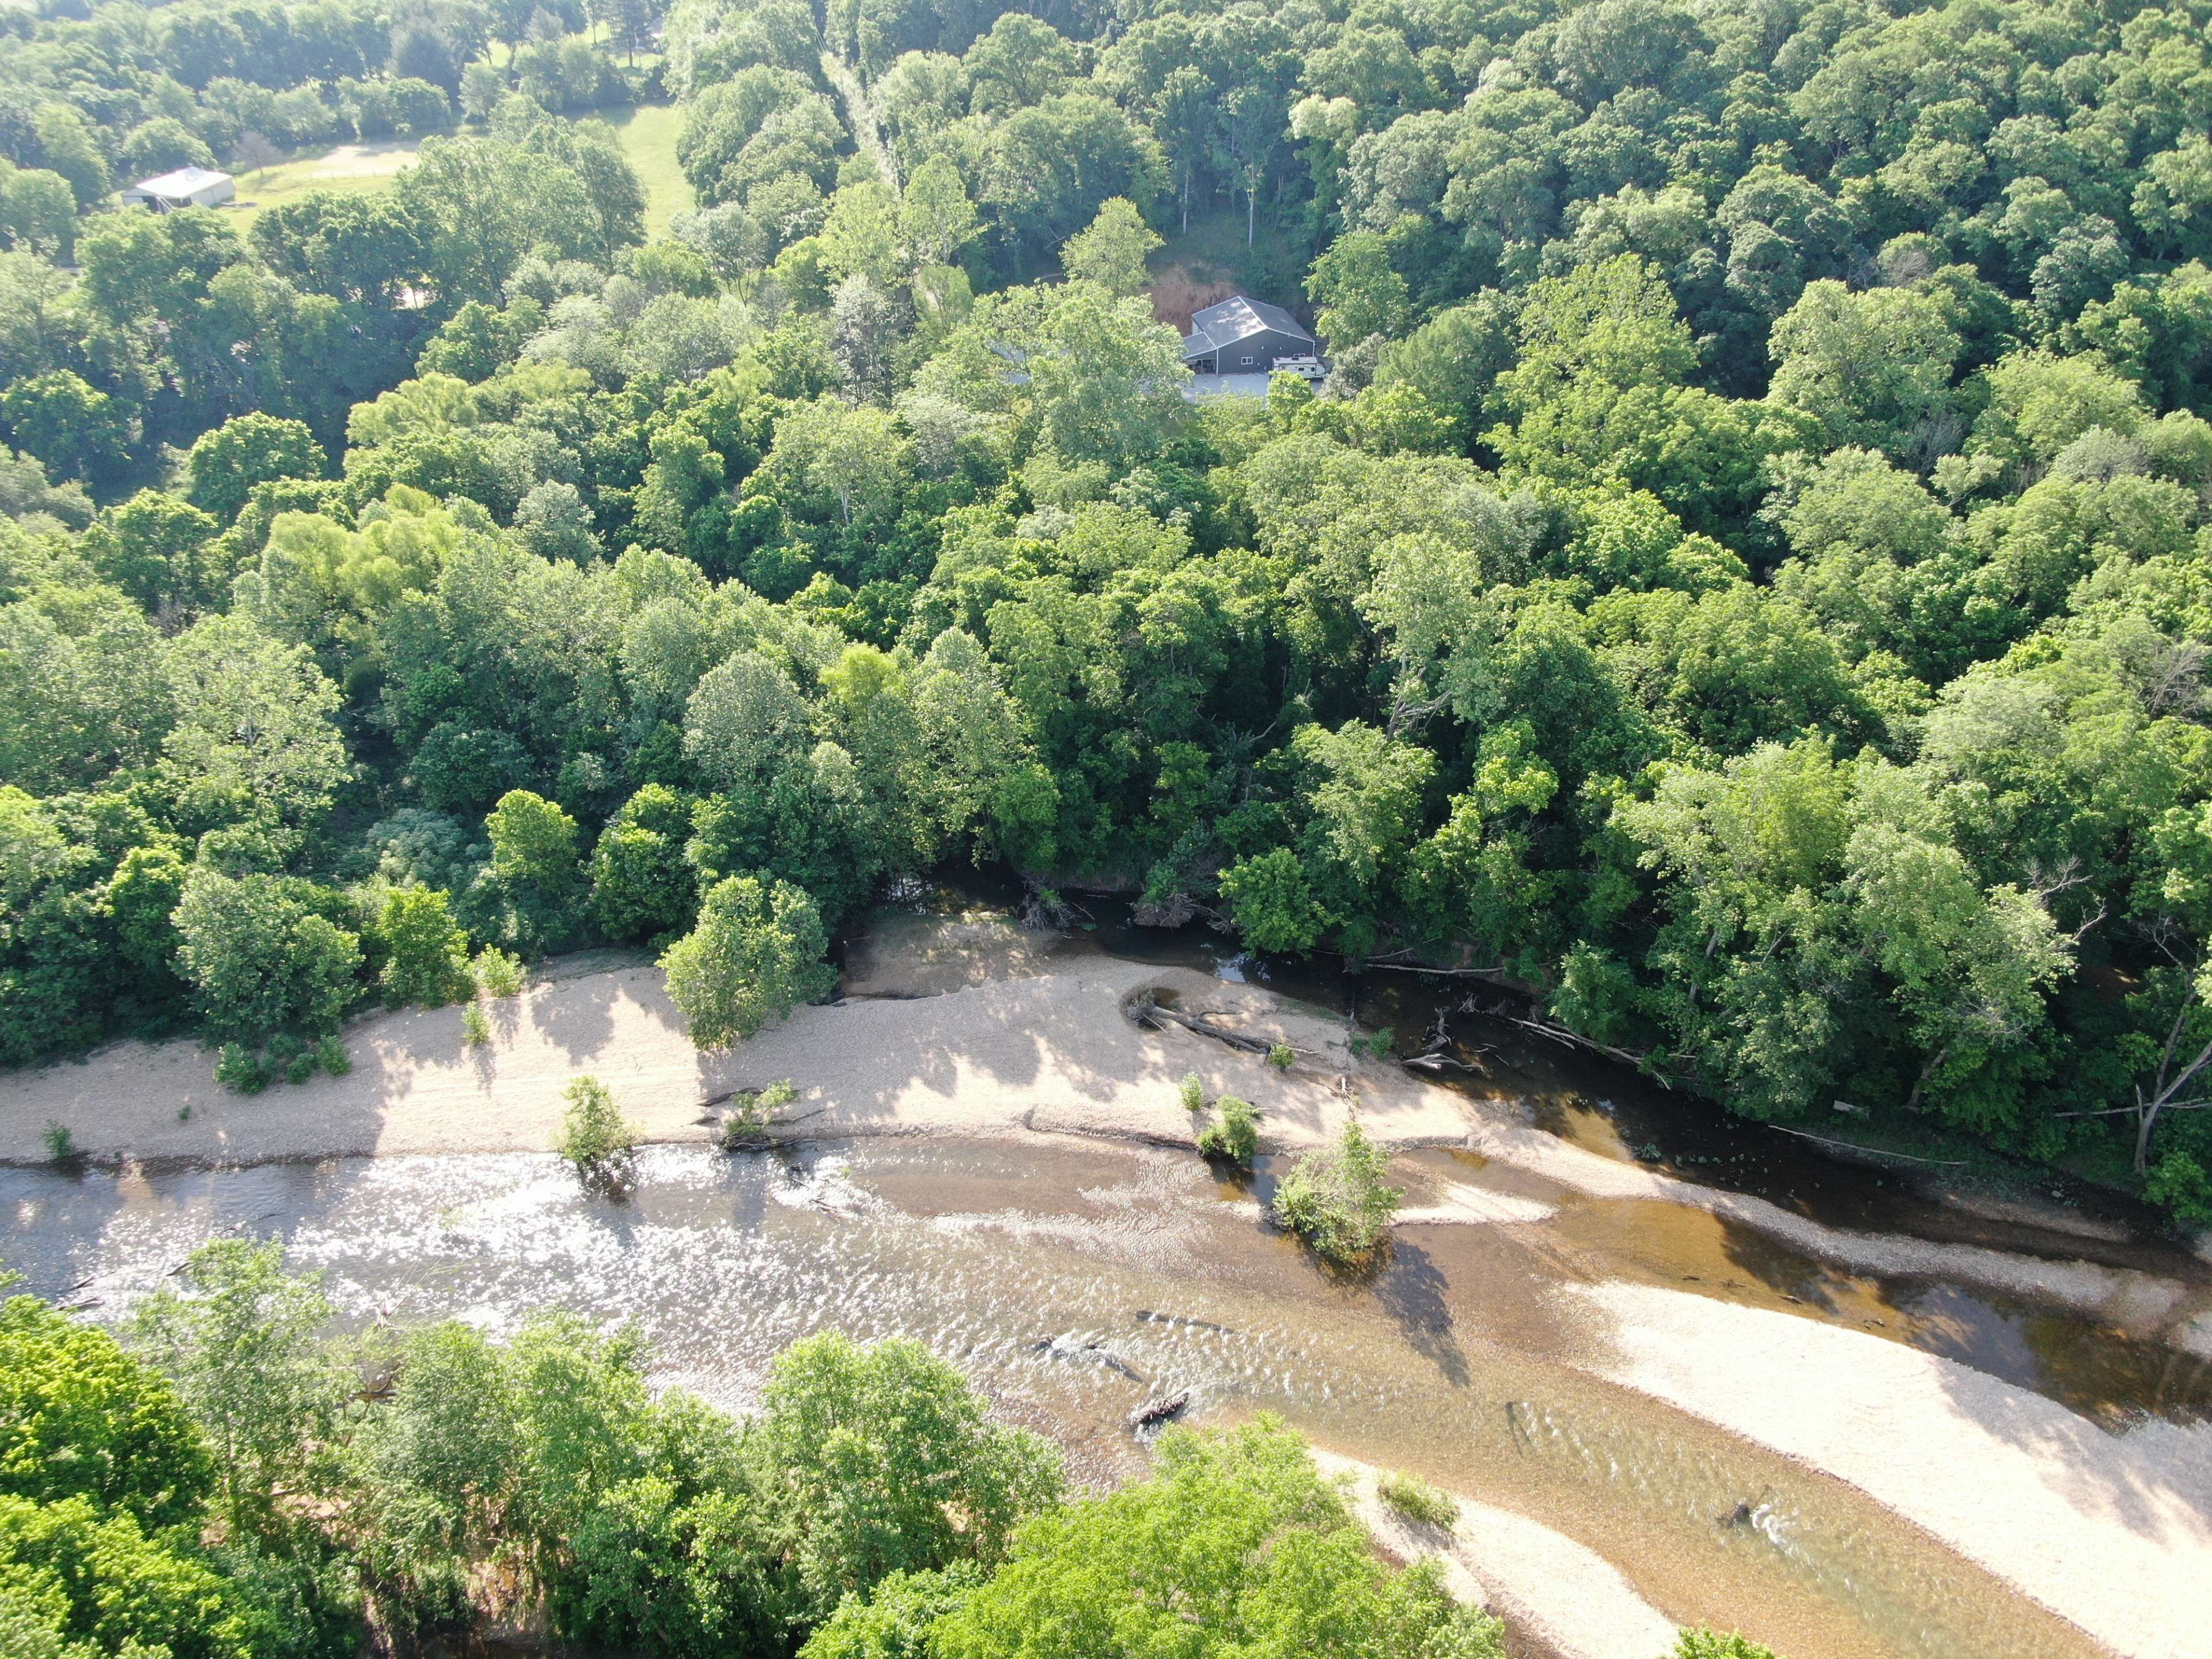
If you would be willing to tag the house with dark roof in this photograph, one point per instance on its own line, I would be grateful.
(1245, 336)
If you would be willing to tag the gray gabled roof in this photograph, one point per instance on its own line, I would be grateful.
(1234, 319)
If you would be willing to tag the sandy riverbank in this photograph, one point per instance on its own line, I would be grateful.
(1050, 1050)
(2142, 1303)
(1055, 1052)
(1049, 1053)
(2113, 1533)
(1556, 1597)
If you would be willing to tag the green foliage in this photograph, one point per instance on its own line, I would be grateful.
(890, 1457)
(426, 953)
(59, 1142)
(478, 340)
(1191, 1092)
(1338, 1201)
(437, 1464)
(1819, 406)
(1417, 1500)
(533, 841)
(239, 1339)
(751, 1112)
(2179, 1183)
(496, 973)
(754, 954)
(225, 463)
(1358, 293)
(255, 747)
(1234, 1135)
(1377, 1045)
(535, 880)
(259, 960)
(68, 424)
(159, 550)
(642, 886)
(1703, 1642)
(79, 1417)
(1112, 251)
(1873, 368)
(1235, 1540)
(895, 1621)
(1454, 360)
(871, 1509)
(661, 1524)
(595, 1136)
(461, 770)
(298, 1599)
(686, 1578)
(239, 1068)
(1273, 901)
(100, 1580)
(38, 210)
(70, 147)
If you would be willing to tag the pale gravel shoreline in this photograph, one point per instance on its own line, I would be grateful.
(1055, 1054)
(1555, 1593)
(1551, 1591)
(1052, 1053)
(2113, 1533)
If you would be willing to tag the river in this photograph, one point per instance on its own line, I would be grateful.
(1074, 1281)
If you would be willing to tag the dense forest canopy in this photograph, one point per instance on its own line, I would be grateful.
(1744, 582)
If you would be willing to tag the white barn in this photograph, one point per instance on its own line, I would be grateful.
(185, 187)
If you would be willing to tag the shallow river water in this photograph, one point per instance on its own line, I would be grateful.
(1076, 1281)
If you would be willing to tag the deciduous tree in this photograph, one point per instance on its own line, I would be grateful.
(754, 954)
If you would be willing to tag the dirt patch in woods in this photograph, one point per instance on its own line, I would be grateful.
(1180, 292)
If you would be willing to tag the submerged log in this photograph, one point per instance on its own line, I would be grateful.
(1438, 1063)
(1160, 1410)
(1852, 1150)
(1176, 909)
(1561, 1035)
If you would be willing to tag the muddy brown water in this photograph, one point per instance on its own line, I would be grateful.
(1075, 1282)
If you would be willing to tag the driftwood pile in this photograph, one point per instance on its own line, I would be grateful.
(1148, 1010)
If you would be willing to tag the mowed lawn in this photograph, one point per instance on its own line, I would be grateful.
(349, 168)
(649, 138)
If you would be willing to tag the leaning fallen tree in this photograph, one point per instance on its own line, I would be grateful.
(1148, 1010)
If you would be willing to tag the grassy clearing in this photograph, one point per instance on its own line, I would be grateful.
(499, 57)
(649, 138)
(350, 168)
